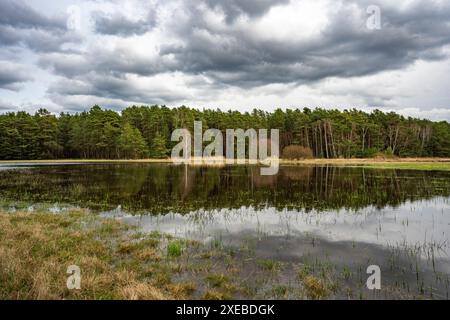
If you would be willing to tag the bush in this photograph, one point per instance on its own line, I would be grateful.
(367, 153)
(297, 152)
(387, 154)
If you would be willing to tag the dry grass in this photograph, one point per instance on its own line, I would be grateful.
(315, 289)
(36, 249)
(142, 291)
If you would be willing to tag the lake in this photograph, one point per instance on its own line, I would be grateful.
(331, 217)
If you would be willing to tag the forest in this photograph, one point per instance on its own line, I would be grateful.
(145, 132)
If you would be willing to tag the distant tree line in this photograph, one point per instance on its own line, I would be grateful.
(145, 131)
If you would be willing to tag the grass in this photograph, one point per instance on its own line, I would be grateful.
(36, 249)
(315, 288)
(426, 164)
(115, 260)
(218, 280)
(175, 248)
(118, 262)
(267, 264)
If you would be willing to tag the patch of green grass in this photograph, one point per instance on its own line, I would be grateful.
(346, 273)
(175, 248)
(217, 280)
(425, 166)
(304, 271)
(216, 243)
(280, 290)
(268, 264)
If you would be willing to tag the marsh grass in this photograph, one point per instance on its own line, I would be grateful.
(175, 248)
(116, 261)
(37, 248)
(119, 262)
(268, 264)
(315, 287)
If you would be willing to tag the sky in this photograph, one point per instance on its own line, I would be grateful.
(68, 55)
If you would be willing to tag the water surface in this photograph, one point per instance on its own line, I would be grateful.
(350, 217)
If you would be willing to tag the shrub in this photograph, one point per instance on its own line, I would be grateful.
(367, 153)
(297, 152)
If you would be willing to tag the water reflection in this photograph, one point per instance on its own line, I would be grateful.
(411, 224)
(160, 188)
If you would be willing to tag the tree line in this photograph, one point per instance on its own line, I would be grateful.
(145, 132)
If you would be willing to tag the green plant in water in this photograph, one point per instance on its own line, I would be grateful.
(175, 248)
(269, 265)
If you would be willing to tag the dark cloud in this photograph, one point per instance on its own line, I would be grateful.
(38, 40)
(192, 43)
(18, 15)
(118, 24)
(115, 89)
(236, 8)
(20, 25)
(13, 75)
(66, 64)
(346, 48)
(234, 57)
(104, 61)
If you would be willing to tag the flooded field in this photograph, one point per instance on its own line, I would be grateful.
(331, 221)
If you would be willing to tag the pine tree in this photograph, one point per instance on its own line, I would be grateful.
(158, 149)
(131, 144)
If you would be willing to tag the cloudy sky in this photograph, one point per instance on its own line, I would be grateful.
(68, 55)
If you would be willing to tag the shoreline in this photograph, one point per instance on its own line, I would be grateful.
(426, 164)
(282, 161)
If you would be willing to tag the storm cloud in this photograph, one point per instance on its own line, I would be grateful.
(222, 53)
(118, 24)
(21, 25)
(13, 75)
(18, 15)
(234, 9)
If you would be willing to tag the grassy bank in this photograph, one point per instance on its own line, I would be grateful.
(36, 249)
(427, 164)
